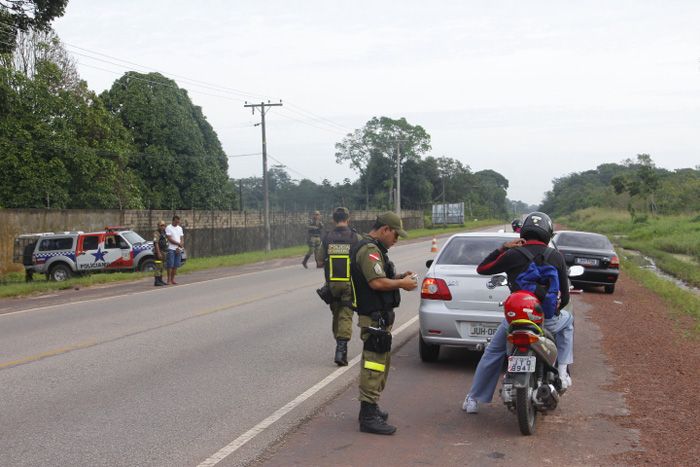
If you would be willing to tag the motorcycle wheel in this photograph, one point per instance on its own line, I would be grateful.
(527, 414)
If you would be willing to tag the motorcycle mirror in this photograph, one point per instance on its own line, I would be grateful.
(576, 271)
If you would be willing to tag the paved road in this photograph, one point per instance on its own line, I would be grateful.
(221, 368)
(424, 401)
(170, 376)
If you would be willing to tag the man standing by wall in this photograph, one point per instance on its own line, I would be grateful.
(377, 292)
(176, 241)
(160, 247)
(334, 257)
(315, 228)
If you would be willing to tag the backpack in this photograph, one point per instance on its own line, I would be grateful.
(542, 279)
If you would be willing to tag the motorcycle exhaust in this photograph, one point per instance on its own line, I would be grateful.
(547, 396)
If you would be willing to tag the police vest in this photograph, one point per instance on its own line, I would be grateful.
(337, 244)
(368, 299)
(162, 241)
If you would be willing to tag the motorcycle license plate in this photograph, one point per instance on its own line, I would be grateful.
(521, 364)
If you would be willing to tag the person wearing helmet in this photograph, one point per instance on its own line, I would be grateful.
(517, 224)
(535, 235)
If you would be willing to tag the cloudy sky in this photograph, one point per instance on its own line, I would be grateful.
(532, 89)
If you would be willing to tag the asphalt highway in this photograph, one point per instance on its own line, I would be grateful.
(182, 375)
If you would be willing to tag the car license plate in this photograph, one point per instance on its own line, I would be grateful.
(521, 364)
(587, 261)
(482, 329)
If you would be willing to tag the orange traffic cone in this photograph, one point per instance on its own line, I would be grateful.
(433, 249)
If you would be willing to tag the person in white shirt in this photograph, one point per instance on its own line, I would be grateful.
(177, 241)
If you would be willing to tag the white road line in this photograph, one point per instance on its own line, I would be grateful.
(260, 427)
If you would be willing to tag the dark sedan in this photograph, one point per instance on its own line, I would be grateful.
(592, 251)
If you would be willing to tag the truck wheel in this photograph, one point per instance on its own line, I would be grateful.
(60, 273)
(147, 265)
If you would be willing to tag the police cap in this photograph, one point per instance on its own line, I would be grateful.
(161, 223)
(317, 212)
(342, 209)
(392, 220)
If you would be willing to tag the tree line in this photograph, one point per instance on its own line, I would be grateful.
(636, 185)
(143, 144)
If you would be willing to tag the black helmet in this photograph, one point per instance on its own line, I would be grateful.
(537, 226)
(517, 224)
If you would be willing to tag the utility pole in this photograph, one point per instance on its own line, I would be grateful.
(398, 173)
(262, 109)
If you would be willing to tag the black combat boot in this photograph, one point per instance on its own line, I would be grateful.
(303, 263)
(341, 352)
(371, 422)
(380, 413)
(159, 281)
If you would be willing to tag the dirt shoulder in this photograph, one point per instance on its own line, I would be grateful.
(656, 369)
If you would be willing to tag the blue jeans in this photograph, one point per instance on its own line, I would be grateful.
(489, 369)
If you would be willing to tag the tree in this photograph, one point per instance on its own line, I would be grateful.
(180, 162)
(23, 15)
(60, 148)
(36, 46)
(378, 139)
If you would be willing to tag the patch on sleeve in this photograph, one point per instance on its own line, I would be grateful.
(374, 256)
(377, 268)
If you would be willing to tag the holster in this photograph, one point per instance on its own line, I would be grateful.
(380, 339)
(325, 294)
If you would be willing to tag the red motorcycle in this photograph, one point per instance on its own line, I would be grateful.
(532, 382)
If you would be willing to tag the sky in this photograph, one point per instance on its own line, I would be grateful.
(534, 90)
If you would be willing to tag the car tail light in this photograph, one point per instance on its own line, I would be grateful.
(522, 339)
(435, 289)
(615, 262)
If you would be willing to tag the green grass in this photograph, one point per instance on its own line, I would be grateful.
(663, 239)
(13, 285)
(680, 301)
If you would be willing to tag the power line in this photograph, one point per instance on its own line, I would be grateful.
(212, 87)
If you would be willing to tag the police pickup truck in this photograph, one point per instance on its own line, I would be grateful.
(64, 254)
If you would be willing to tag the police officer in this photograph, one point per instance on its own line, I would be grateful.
(315, 228)
(334, 257)
(160, 247)
(377, 287)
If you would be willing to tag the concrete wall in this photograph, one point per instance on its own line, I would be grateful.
(208, 233)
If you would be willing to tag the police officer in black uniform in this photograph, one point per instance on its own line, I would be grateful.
(377, 285)
(334, 257)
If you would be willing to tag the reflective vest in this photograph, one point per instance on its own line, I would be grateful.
(337, 244)
(367, 299)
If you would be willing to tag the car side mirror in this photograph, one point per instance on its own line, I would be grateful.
(429, 263)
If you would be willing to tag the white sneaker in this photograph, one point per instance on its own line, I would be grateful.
(565, 382)
(470, 405)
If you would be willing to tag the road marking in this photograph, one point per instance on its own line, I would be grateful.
(65, 349)
(260, 427)
(230, 306)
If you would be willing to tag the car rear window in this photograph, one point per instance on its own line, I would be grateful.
(468, 250)
(592, 241)
(51, 244)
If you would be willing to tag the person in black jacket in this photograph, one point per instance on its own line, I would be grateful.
(534, 236)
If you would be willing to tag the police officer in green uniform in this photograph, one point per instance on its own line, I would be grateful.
(377, 285)
(160, 250)
(334, 257)
(315, 228)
